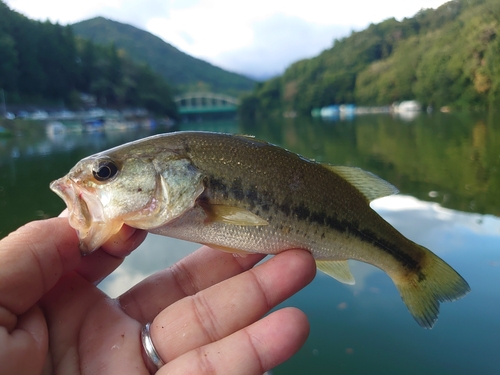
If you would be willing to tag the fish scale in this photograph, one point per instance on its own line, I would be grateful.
(239, 194)
(288, 204)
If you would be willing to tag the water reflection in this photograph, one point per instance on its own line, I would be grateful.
(448, 170)
(155, 253)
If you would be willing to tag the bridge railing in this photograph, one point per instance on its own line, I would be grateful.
(205, 99)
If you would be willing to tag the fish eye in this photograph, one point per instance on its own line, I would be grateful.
(105, 170)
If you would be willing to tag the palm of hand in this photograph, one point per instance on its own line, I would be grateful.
(205, 310)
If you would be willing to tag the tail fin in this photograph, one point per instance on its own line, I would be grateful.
(437, 282)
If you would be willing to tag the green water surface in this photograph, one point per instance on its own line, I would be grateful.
(447, 167)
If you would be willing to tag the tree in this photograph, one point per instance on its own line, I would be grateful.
(8, 63)
(87, 66)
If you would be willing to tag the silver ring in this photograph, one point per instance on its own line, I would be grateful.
(149, 348)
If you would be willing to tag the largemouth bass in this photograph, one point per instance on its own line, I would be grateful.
(239, 194)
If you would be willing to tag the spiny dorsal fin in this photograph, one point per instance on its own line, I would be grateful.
(232, 215)
(370, 185)
(338, 269)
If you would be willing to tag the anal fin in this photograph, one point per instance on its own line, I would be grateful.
(338, 269)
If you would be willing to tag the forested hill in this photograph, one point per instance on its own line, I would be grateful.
(447, 56)
(177, 67)
(42, 63)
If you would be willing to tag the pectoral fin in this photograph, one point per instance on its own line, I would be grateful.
(232, 215)
(338, 269)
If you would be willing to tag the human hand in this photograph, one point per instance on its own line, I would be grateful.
(205, 311)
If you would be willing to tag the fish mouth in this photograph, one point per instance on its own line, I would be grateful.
(86, 214)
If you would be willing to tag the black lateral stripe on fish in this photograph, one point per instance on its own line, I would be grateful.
(302, 213)
(240, 194)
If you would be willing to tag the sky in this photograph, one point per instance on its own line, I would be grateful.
(258, 38)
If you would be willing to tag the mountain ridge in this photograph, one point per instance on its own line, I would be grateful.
(177, 67)
(449, 56)
(44, 65)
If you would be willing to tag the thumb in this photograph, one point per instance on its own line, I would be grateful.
(33, 259)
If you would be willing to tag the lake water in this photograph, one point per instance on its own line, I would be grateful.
(447, 168)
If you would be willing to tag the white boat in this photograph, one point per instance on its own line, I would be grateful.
(330, 111)
(408, 106)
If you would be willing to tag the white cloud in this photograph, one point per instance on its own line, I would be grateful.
(274, 50)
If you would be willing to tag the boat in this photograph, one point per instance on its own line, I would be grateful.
(331, 111)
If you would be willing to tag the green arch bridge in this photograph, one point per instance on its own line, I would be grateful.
(205, 102)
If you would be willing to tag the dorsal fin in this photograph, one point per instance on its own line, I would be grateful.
(370, 185)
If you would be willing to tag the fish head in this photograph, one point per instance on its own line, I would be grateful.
(101, 192)
(109, 189)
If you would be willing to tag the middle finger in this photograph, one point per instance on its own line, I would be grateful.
(230, 305)
(200, 270)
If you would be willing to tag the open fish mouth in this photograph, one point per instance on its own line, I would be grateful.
(86, 214)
